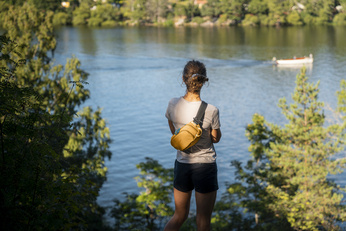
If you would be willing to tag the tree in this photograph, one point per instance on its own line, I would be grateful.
(157, 9)
(258, 7)
(211, 8)
(46, 5)
(52, 163)
(278, 9)
(104, 15)
(306, 155)
(233, 8)
(136, 10)
(81, 14)
(289, 174)
(294, 18)
(192, 10)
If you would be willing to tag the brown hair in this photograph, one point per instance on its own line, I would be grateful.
(194, 76)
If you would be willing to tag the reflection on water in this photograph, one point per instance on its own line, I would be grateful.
(135, 71)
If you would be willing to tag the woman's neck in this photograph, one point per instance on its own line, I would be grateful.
(192, 97)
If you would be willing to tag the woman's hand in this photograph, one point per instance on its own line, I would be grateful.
(215, 135)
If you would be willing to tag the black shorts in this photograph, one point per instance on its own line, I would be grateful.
(201, 177)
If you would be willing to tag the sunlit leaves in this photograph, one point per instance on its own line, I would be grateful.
(150, 209)
(288, 177)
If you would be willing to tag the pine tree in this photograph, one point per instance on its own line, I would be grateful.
(305, 157)
(288, 179)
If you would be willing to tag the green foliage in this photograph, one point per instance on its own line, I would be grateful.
(306, 155)
(45, 5)
(269, 20)
(81, 15)
(192, 10)
(223, 18)
(109, 23)
(342, 97)
(278, 7)
(52, 163)
(156, 9)
(211, 8)
(287, 180)
(251, 20)
(94, 22)
(61, 19)
(308, 19)
(340, 19)
(180, 10)
(234, 9)
(228, 215)
(294, 19)
(134, 12)
(198, 20)
(258, 7)
(105, 15)
(150, 209)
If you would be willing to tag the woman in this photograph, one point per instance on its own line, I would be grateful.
(195, 168)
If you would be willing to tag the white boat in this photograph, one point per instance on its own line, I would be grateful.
(294, 61)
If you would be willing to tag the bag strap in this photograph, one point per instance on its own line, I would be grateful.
(200, 114)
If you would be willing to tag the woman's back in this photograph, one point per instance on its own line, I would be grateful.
(181, 112)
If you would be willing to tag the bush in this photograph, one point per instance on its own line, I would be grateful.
(223, 18)
(81, 15)
(180, 10)
(168, 23)
(294, 19)
(340, 19)
(61, 19)
(258, 7)
(198, 20)
(251, 20)
(268, 20)
(308, 19)
(95, 21)
(109, 23)
(323, 19)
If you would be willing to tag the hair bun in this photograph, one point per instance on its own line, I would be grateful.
(194, 76)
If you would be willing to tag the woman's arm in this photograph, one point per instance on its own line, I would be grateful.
(171, 126)
(215, 135)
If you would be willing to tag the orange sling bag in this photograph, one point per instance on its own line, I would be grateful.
(188, 135)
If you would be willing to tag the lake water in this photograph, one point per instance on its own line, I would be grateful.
(134, 72)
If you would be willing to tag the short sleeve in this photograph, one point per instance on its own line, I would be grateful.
(215, 123)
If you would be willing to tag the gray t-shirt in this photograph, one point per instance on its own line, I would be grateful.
(181, 112)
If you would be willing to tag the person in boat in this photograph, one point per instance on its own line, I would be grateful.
(195, 168)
